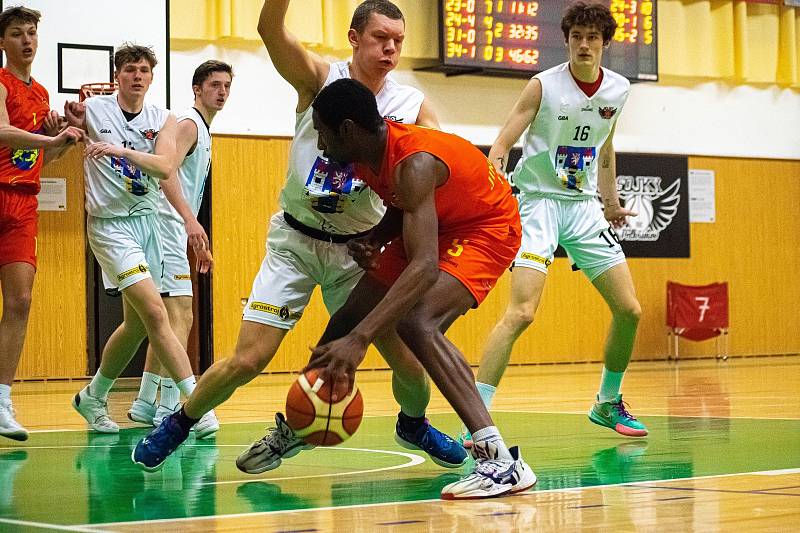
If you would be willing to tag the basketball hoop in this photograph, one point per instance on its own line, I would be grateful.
(94, 89)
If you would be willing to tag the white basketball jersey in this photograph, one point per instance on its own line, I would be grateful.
(193, 172)
(323, 195)
(114, 186)
(562, 144)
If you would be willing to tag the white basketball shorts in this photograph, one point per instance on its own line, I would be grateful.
(127, 248)
(578, 226)
(293, 265)
(177, 274)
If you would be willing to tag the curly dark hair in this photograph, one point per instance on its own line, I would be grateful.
(348, 99)
(589, 14)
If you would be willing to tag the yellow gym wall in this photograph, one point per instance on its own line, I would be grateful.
(742, 247)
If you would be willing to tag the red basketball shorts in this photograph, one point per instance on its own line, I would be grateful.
(19, 224)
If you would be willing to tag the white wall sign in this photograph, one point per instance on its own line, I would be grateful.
(53, 195)
(702, 201)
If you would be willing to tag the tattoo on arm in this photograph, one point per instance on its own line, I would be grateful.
(606, 161)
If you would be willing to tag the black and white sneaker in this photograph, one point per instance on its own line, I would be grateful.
(265, 454)
(491, 476)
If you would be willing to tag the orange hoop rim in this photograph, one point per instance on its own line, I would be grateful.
(94, 89)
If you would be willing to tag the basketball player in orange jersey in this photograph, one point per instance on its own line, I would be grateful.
(29, 137)
(450, 230)
(322, 207)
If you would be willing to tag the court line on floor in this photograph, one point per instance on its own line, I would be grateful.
(648, 415)
(45, 525)
(414, 460)
(432, 500)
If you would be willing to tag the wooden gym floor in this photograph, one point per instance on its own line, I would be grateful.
(723, 455)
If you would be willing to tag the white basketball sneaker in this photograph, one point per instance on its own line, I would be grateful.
(163, 412)
(9, 427)
(95, 411)
(142, 412)
(207, 426)
(491, 476)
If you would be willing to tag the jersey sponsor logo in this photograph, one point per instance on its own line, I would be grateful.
(394, 118)
(182, 277)
(563, 117)
(329, 185)
(573, 164)
(588, 107)
(656, 206)
(105, 130)
(141, 268)
(607, 112)
(536, 258)
(135, 182)
(24, 159)
(150, 134)
(282, 312)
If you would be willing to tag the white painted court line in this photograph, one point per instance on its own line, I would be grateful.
(44, 525)
(370, 505)
(413, 460)
(647, 415)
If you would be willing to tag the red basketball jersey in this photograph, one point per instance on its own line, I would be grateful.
(27, 106)
(474, 195)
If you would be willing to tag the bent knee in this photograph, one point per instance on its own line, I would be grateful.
(414, 330)
(19, 306)
(519, 317)
(630, 313)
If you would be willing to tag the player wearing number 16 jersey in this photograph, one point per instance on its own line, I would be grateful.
(570, 112)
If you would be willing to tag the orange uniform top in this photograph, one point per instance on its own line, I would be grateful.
(474, 195)
(27, 107)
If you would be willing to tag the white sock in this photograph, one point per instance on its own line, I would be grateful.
(187, 386)
(492, 436)
(610, 384)
(5, 392)
(487, 393)
(170, 393)
(100, 386)
(148, 389)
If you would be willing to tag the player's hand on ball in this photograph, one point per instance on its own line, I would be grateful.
(365, 252)
(616, 215)
(338, 360)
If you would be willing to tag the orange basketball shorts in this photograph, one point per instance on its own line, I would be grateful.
(477, 257)
(19, 224)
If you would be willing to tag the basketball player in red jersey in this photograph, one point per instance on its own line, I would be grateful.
(450, 231)
(29, 137)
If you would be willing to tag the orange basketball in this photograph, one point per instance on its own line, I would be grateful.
(312, 416)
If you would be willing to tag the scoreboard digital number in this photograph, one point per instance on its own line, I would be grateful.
(522, 37)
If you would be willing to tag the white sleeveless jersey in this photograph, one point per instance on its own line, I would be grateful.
(114, 186)
(193, 172)
(562, 144)
(322, 194)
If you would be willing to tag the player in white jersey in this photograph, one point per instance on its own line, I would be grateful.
(178, 225)
(130, 147)
(323, 207)
(568, 157)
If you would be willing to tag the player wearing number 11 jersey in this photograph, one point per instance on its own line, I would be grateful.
(570, 112)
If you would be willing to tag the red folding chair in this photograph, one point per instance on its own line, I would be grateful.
(697, 313)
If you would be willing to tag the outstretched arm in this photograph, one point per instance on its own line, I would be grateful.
(305, 71)
(614, 213)
(521, 116)
(16, 138)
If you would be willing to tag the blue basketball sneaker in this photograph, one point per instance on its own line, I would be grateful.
(443, 450)
(151, 452)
